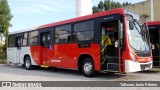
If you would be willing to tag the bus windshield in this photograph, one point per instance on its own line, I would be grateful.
(138, 35)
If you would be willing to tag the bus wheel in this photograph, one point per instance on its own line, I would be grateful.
(88, 69)
(28, 64)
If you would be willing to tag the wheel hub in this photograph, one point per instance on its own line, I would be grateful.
(27, 63)
(87, 67)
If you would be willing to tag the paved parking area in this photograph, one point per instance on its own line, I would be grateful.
(17, 73)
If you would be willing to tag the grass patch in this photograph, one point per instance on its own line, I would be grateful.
(2, 61)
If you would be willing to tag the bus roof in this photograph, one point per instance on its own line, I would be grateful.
(100, 14)
(24, 30)
(153, 23)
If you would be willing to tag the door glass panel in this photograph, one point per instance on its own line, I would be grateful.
(45, 41)
(154, 38)
(110, 48)
(18, 42)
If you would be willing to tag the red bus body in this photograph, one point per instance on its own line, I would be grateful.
(154, 29)
(68, 55)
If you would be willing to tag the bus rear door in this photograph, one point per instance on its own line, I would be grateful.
(45, 39)
(18, 50)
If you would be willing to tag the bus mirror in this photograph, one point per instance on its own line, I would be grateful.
(116, 44)
(131, 24)
(153, 46)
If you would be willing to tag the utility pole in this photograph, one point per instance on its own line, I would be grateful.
(152, 10)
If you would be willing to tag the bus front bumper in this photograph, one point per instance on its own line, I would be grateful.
(131, 66)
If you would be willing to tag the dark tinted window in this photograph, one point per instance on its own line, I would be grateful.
(33, 38)
(11, 41)
(84, 31)
(63, 34)
(25, 39)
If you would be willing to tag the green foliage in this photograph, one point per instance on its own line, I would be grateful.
(145, 16)
(2, 53)
(107, 5)
(5, 17)
(95, 9)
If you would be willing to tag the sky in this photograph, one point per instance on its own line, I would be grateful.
(31, 13)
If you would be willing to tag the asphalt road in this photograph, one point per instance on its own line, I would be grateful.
(17, 73)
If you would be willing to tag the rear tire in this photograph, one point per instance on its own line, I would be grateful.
(28, 64)
(88, 69)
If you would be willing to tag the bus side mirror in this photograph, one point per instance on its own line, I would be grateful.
(153, 46)
(131, 24)
(116, 44)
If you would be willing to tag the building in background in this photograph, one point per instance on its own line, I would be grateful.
(149, 8)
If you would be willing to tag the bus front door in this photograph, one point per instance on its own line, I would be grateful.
(110, 48)
(18, 50)
(45, 43)
(154, 38)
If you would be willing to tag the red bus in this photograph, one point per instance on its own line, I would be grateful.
(115, 40)
(154, 31)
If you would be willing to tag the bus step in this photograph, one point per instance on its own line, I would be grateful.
(44, 66)
(110, 71)
(113, 66)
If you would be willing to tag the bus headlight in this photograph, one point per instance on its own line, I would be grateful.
(133, 57)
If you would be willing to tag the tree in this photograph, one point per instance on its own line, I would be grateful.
(95, 9)
(101, 6)
(107, 5)
(145, 16)
(119, 4)
(5, 17)
(124, 4)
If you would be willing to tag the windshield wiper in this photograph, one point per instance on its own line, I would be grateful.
(136, 26)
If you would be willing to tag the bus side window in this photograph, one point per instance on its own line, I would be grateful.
(24, 41)
(11, 41)
(63, 34)
(83, 31)
(33, 38)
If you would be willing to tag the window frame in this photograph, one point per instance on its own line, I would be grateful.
(46, 30)
(94, 26)
(29, 38)
(13, 41)
(71, 41)
(23, 38)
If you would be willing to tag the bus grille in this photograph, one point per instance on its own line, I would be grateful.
(145, 66)
(143, 55)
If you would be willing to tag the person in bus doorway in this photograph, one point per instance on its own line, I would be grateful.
(105, 42)
(105, 38)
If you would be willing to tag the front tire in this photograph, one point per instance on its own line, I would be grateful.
(28, 64)
(88, 69)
